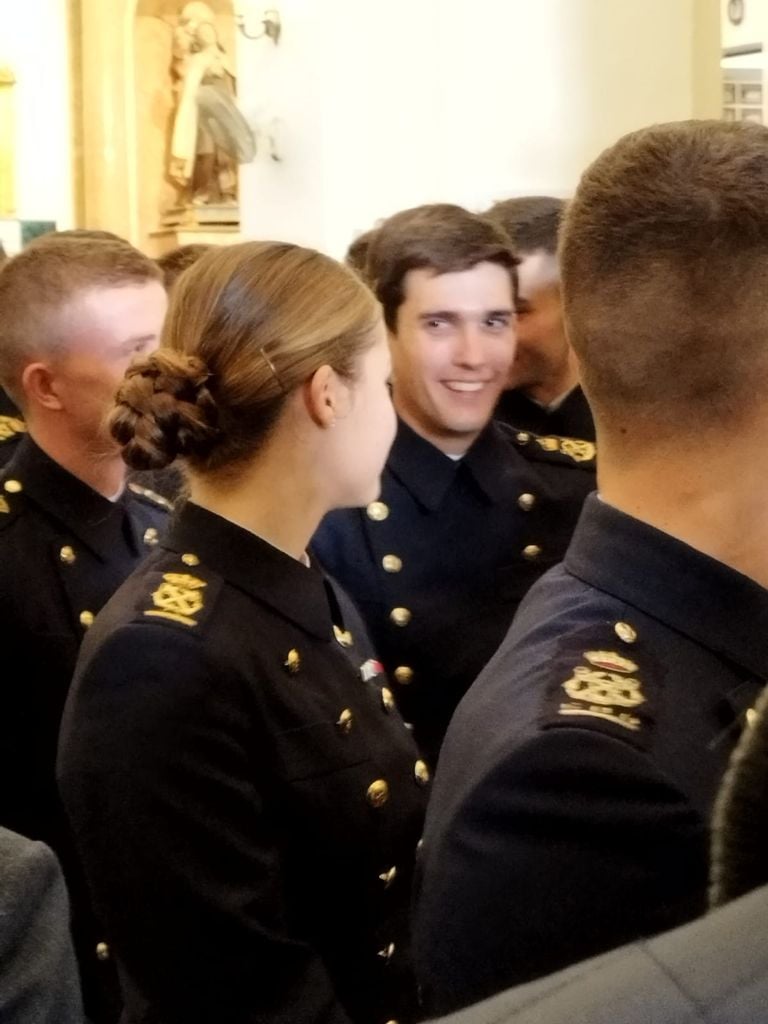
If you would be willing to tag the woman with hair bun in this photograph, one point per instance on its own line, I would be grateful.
(245, 802)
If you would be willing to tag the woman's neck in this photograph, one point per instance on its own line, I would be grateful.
(273, 497)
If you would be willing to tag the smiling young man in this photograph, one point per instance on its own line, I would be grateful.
(470, 513)
(73, 314)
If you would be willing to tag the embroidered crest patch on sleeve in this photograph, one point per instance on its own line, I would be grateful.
(600, 689)
(604, 688)
(178, 598)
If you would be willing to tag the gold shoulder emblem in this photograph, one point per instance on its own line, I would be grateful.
(603, 688)
(579, 451)
(150, 495)
(549, 444)
(10, 426)
(178, 598)
(4, 506)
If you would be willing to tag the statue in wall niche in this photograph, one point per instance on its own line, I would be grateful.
(210, 136)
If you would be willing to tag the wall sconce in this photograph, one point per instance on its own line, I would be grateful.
(271, 25)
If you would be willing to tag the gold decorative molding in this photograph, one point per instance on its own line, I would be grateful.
(7, 143)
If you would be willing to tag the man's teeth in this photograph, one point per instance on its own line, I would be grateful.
(465, 385)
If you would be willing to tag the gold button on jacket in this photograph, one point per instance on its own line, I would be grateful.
(400, 616)
(377, 793)
(377, 511)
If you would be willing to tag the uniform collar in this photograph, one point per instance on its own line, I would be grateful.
(94, 520)
(251, 564)
(428, 473)
(712, 604)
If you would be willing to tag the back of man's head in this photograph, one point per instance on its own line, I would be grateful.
(176, 261)
(356, 256)
(664, 263)
(439, 237)
(84, 234)
(531, 222)
(41, 285)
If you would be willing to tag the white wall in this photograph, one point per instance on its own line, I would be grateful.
(391, 103)
(34, 43)
(753, 29)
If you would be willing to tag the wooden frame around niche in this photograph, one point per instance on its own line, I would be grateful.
(104, 100)
(7, 131)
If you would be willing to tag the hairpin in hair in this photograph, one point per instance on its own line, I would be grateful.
(272, 369)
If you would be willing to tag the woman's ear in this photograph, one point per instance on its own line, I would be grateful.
(326, 396)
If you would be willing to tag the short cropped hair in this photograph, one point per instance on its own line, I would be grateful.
(664, 264)
(84, 234)
(356, 256)
(439, 237)
(39, 283)
(531, 222)
(175, 262)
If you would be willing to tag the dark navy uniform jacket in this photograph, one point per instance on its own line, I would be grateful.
(572, 418)
(64, 550)
(571, 806)
(246, 803)
(439, 564)
(165, 484)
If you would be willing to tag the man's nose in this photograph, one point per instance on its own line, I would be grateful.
(469, 346)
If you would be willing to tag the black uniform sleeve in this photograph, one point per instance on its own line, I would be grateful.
(572, 844)
(161, 783)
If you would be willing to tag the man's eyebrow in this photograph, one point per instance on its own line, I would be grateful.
(440, 314)
(139, 337)
(136, 338)
(453, 317)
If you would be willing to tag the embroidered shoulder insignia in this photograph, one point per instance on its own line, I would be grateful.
(10, 426)
(598, 693)
(152, 496)
(579, 451)
(178, 598)
(592, 686)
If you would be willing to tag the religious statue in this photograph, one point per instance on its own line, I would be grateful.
(210, 135)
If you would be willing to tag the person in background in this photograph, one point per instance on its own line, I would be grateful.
(38, 971)
(572, 803)
(255, 861)
(471, 513)
(543, 392)
(356, 256)
(74, 313)
(713, 970)
(12, 426)
(177, 260)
